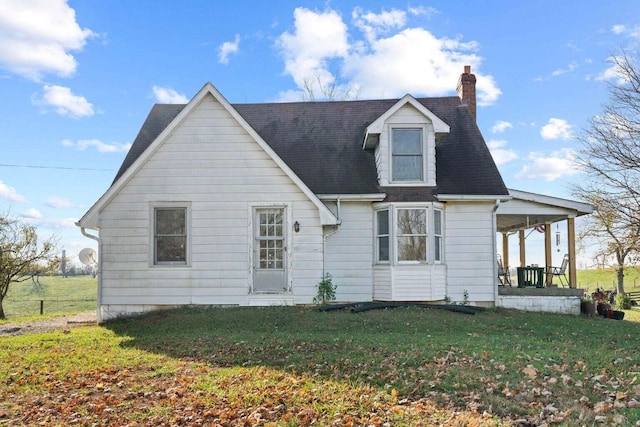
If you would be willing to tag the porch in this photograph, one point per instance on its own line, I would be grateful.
(527, 212)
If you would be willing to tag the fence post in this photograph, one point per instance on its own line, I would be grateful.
(41, 307)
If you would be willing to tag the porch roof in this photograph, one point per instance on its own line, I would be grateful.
(527, 210)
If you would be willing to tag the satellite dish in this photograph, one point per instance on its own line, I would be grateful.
(88, 256)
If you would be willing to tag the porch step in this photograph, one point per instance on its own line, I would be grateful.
(266, 300)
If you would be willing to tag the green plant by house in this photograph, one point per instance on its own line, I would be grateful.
(447, 299)
(465, 297)
(326, 290)
(623, 302)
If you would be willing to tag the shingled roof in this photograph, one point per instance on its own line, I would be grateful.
(322, 143)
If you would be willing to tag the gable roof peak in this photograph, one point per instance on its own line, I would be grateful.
(439, 125)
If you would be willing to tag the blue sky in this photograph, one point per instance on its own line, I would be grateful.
(79, 77)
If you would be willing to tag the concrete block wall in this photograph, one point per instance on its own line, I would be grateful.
(541, 304)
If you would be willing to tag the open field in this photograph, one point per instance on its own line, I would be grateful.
(605, 278)
(60, 295)
(297, 366)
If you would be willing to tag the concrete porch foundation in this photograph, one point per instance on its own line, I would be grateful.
(543, 300)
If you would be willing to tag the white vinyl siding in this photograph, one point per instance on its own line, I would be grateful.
(349, 252)
(417, 282)
(212, 162)
(469, 251)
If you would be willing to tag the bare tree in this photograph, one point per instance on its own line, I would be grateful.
(610, 155)
(615, 238)
(319, 87)
(21, 255)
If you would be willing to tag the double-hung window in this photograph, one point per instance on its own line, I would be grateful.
(170, 236)
(437, 235)
(382, 235)
(411, 235)
(407, 162)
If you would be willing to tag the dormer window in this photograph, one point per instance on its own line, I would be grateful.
(407, 150)
(404, 142)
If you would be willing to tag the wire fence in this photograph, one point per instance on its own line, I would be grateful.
(48, 306)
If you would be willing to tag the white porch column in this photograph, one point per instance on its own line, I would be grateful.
(571, 242)
(505, 250)
(548, 262)
(521, 239)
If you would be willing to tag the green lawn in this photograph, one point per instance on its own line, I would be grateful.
(60, 295)
(296, 366)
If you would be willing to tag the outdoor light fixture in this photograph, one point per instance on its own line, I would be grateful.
(296, 226)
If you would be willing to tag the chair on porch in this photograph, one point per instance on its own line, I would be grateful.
(560, 272)
(503, 273)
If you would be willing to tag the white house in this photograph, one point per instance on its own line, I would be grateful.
(252, 204)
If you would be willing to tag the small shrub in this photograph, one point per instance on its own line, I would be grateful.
(465, 296)
(326, 290)
(623, 302)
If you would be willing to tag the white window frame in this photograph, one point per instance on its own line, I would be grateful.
(153, 207)
(423, 146)
(389, 211)
(431, 235)
(438, 238)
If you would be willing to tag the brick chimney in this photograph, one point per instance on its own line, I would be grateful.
(467, 89)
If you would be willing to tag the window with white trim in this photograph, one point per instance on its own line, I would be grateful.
(407, 160)
(170, 236)
(437, 235)
(411, 235)
(382, 235)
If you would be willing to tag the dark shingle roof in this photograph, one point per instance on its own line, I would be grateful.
(322, 143)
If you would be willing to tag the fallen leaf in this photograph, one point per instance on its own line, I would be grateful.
(531, 372)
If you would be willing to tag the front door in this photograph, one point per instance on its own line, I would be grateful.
(270, 273)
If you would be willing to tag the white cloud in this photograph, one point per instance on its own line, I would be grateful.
(389, 60)
(618, 29)
(501, 126)
(38, 37)
(373, 24)
(168, 95)
(572, 66)
(58, 203)
(500, 154)
(549, 168)
(317, 38)
(556, 129)
(422, 10)
(613, 73)
(50, 223)
(228, 48)
(102, 147)
(558, 72)
(31, 214)
(64, 102)
(60, 223)
(10, 193)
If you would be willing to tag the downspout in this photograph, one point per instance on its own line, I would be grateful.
(495, 263)
(99, 294)
(325, 236)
